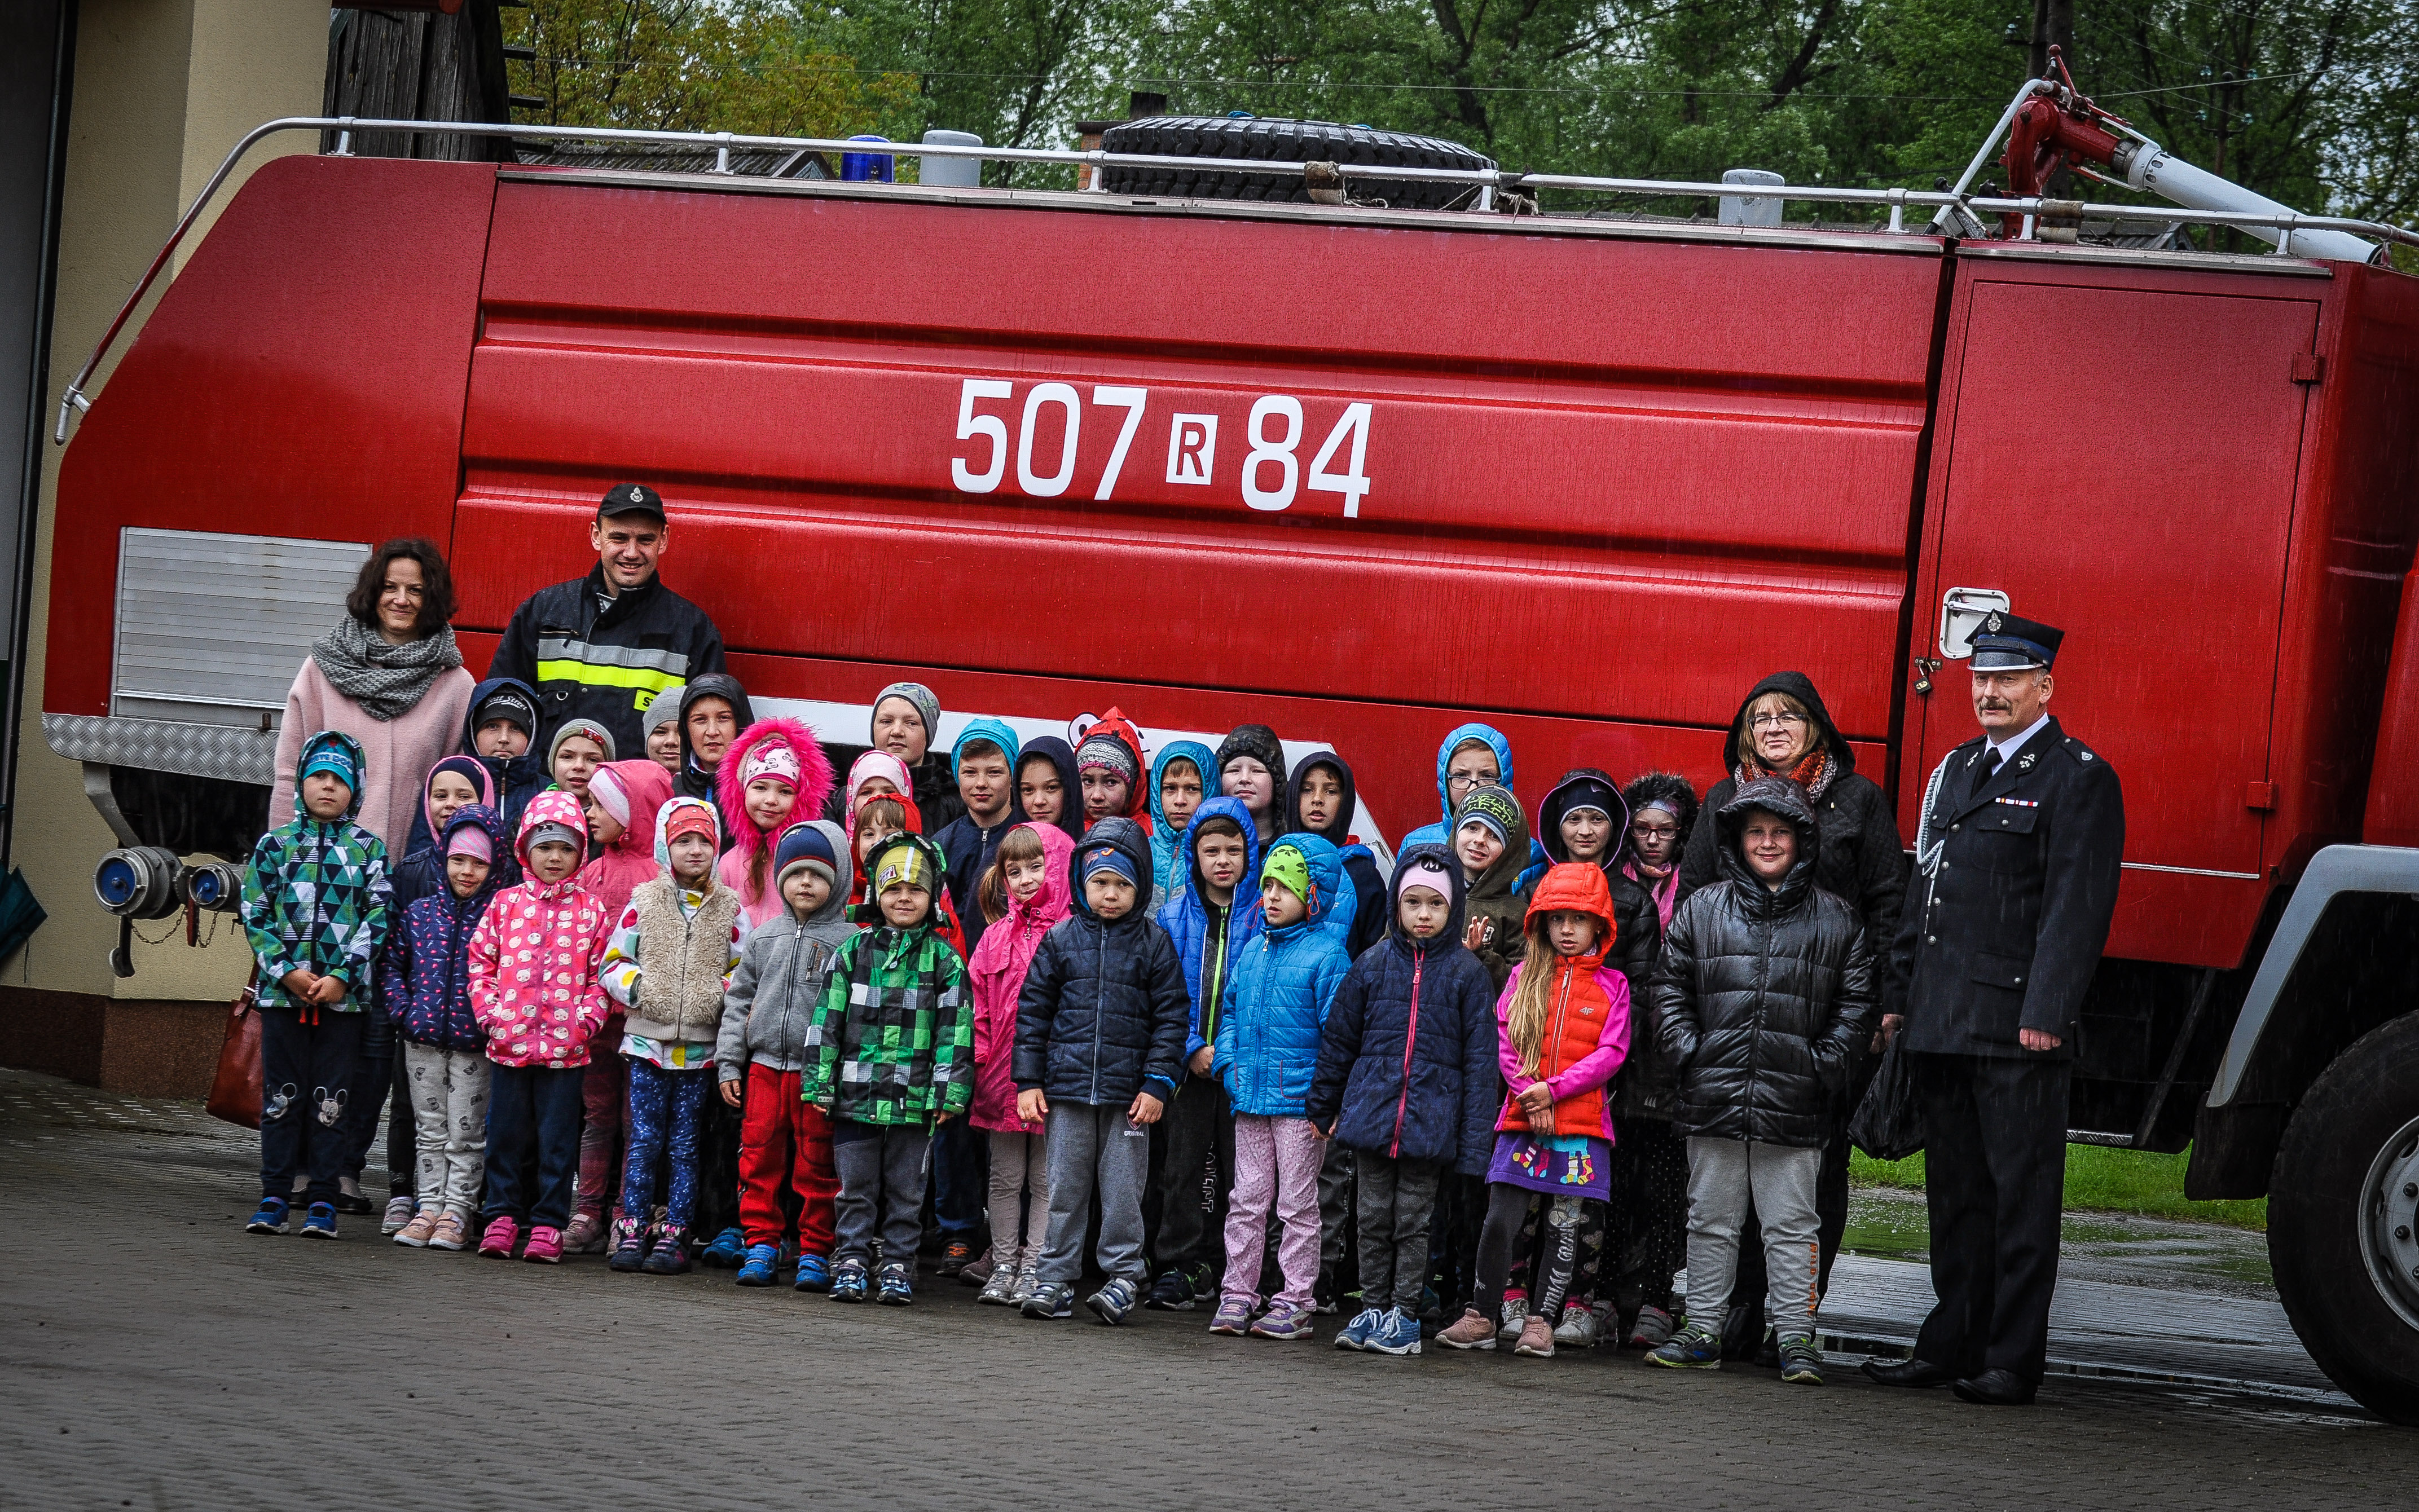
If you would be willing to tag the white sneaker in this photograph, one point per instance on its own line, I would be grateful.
(999, 1290)
(399, 1212)
(1516, 1316)
(1577, 1330)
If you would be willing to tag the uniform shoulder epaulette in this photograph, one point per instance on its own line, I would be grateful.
(2079, 751)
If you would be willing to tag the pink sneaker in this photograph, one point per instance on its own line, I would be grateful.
(497, 1243)
(544, 1246)
(586, 1235)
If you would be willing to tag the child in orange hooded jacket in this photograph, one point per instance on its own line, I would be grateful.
(1564, 1032)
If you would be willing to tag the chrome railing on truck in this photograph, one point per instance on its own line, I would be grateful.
(1490, 182)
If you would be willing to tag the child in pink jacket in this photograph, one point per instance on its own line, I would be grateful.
(1024, 892)
(783, 777)
(534, 961)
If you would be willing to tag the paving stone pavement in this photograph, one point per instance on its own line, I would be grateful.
(153, 1355)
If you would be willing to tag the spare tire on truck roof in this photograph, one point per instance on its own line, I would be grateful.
(1270, 139)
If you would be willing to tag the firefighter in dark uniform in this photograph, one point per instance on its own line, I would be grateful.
(2007, 911)
(601, 646)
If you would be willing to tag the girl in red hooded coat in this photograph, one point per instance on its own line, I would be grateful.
(1023, 895)
(783, 775)
(1564, 1030)
(624, 798)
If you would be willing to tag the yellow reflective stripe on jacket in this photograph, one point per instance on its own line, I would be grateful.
(644, 682)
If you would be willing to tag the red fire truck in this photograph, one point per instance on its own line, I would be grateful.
(1365, 473)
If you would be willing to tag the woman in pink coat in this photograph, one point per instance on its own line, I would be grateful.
(1024, 892)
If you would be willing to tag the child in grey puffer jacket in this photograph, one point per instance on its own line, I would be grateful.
(767, 1031)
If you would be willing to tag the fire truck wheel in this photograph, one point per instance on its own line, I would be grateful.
(1270, 139)
(2343, 1220)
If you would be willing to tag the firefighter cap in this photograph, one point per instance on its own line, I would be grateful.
(2007, 643)
(631, 498)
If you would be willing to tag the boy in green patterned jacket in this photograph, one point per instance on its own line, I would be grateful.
(316, 899)
(891, 1057)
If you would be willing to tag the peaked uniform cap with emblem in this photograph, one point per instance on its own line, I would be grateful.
(2010, 643)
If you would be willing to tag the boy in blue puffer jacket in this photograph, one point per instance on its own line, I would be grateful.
(1268, 1044)
(426, 986)
(1407, 1081)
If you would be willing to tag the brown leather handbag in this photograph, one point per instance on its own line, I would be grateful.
(235, 1092)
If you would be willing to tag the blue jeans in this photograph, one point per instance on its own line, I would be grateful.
(666, 1113)
(533, 1143)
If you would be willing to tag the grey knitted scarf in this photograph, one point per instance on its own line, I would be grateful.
(386, 681)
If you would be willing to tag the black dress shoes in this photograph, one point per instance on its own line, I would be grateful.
(1909, 1373)
(1996, 1389)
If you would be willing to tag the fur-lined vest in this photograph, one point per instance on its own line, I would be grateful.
(684, 959)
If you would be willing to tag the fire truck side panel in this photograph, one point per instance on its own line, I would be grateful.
(302, 376)
(2393, 817)
(1287, 475)
(2160, 546)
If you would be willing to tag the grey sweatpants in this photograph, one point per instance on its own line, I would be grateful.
(1396, 1200)
(883, 1167)
(1722, 1175)
(1093, 1146)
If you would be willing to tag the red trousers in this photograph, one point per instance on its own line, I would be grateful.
(784, 1140)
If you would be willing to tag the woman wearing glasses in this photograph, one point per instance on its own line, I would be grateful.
(1783, 730)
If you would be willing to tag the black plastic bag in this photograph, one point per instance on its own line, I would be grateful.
(1888, 1124)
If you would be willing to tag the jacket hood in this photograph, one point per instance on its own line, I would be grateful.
(711, 685)
(1781, 796)
(835, 909)
(1558, 802)
(350, 750)
(1575, 887)
(1405, 865)
(1114, 726)
(482, 788)
(663, 823)
(998, 734)
(1056, 898)
(480, 693)
(1326, 876)
(1218, 808)
(487, 821)
(650, 786)
(1661, 787)
(1204, 761)
(553, 807)
(1339, 832)
(1130, 842)
(1799, 686)
(1498, 878)
(1461, 736)
(814, 780)
(1061, 757)
(932, 858)
(1261, 744)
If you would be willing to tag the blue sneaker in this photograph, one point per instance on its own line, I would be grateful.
(725, 1252)
(1355, 1335)
(848, 1281)
(814, 1274)
(898, 1287)
(1397, 1333)
(757, 1269)
(320, 1222)
(271, 1219)
(1691, 1348)
(1113, 1302)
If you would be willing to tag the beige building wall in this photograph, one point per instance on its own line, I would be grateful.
(163, 89)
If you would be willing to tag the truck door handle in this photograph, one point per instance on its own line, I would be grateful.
(1924, 667)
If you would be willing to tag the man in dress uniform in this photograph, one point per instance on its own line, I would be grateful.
(2006, 915)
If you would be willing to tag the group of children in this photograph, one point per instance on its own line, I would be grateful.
(1151, 988)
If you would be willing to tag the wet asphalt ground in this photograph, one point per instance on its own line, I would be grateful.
(153, 1355)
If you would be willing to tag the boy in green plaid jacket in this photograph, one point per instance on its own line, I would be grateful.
(890, 1055)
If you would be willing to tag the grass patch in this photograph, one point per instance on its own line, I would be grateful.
(2099, 1178)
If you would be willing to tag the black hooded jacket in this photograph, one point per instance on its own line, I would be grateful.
(1070, 806)
(695, 780)
(598, 646)
(1368, 887)
(1864, 862)
(1763, 995)
(1406, 1063)
(1637, 930)
(1103, 1012)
